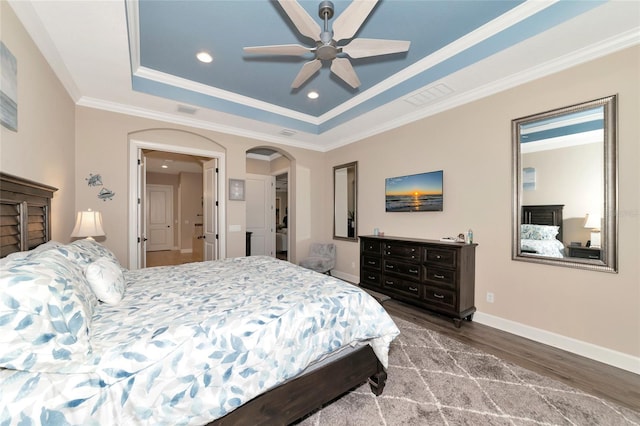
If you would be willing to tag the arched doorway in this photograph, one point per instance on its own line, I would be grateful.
(272, 224)
(177, 142)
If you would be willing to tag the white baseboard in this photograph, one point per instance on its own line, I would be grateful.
(578, 347)
(354, 279)
(186, 250)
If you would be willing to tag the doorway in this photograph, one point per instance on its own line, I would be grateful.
(185, 223)
(269, 164)
(159, 216)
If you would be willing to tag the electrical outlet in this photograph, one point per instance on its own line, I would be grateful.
(489, 297)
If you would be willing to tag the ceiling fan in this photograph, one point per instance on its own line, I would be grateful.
(327, 48)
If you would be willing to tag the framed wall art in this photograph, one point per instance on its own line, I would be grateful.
(236, 189)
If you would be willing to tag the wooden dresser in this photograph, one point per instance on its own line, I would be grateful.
(435, 275)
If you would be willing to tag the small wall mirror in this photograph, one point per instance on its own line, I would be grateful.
(345, 202)
(565, 186)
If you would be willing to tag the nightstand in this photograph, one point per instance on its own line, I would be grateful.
(585, 252)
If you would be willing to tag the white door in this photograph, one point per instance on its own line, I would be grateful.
(159, 205)
(259, 197)
(142, 223)
(210, 210)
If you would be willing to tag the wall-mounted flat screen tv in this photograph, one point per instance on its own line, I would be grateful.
(414, 193)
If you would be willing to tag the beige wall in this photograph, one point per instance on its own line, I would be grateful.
(43, 147)
(191, 208)
(103, 144)
(472, 144)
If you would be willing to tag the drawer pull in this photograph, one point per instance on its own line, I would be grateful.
(440, 277)
(439, 296)
(594, 257)
(389, 282)
(413, 289)
(438, 256)
(389, 266)
(371, 262)
(370, 277)
(413, 271)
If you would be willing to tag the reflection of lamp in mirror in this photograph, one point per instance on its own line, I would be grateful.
(592, 221)
(88, 224)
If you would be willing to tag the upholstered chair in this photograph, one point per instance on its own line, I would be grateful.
(322, 258)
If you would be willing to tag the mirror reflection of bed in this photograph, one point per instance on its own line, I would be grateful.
(541, 234)
(541, 231)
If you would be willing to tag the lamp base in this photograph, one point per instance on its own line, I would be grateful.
(595, 239)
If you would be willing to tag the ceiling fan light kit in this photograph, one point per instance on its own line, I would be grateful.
(326, 41)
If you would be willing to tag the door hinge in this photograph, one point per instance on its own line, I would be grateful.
(216, 204)
(138, 240)
(138, 200)
(139, 162)
(216, 236)
(216, 170)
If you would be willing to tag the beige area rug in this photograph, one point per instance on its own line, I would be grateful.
(434, 380)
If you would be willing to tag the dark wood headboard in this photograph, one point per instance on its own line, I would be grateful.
(548, 214)
(25, 208)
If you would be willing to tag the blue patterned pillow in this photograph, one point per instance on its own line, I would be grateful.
(91, 250)
(538, 232)
(46, 307)
(106, 279)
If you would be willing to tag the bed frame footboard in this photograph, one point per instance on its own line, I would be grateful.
(301, 396)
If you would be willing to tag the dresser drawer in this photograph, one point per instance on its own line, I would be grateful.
(441, 257)
(371, 247)
(439, 276)
(371, 277)
(370, 262)
(440, 297)
(408, 269)
(398, 285)
(402, 251)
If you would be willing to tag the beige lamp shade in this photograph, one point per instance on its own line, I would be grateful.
(88, 224)
(592, 221)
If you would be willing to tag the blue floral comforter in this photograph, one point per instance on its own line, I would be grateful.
(190, 343)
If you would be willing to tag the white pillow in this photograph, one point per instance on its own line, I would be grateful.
(106, 279)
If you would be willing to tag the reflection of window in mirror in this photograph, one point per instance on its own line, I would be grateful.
(561, 176)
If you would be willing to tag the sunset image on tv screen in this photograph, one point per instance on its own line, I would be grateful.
(414, 193)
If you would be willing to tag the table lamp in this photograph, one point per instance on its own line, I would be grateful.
(592, 221)
(88, 224)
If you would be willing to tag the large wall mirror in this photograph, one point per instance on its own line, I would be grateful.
(565, 186)
(345, 202)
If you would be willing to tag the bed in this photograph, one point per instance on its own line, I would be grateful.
(247, 340)
(541, 230)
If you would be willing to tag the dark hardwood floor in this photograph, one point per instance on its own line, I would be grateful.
(610, 383)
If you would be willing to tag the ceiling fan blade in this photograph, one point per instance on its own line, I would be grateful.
(347, 24)
(308, 69)
(305, 24)
(343, 69)
(365, 47)
(282, 49)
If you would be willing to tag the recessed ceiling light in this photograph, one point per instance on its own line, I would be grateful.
(204, 57)
(164, 166)
(313, 95)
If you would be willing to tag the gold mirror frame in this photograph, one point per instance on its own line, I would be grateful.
(608, 261)
(345, 202)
